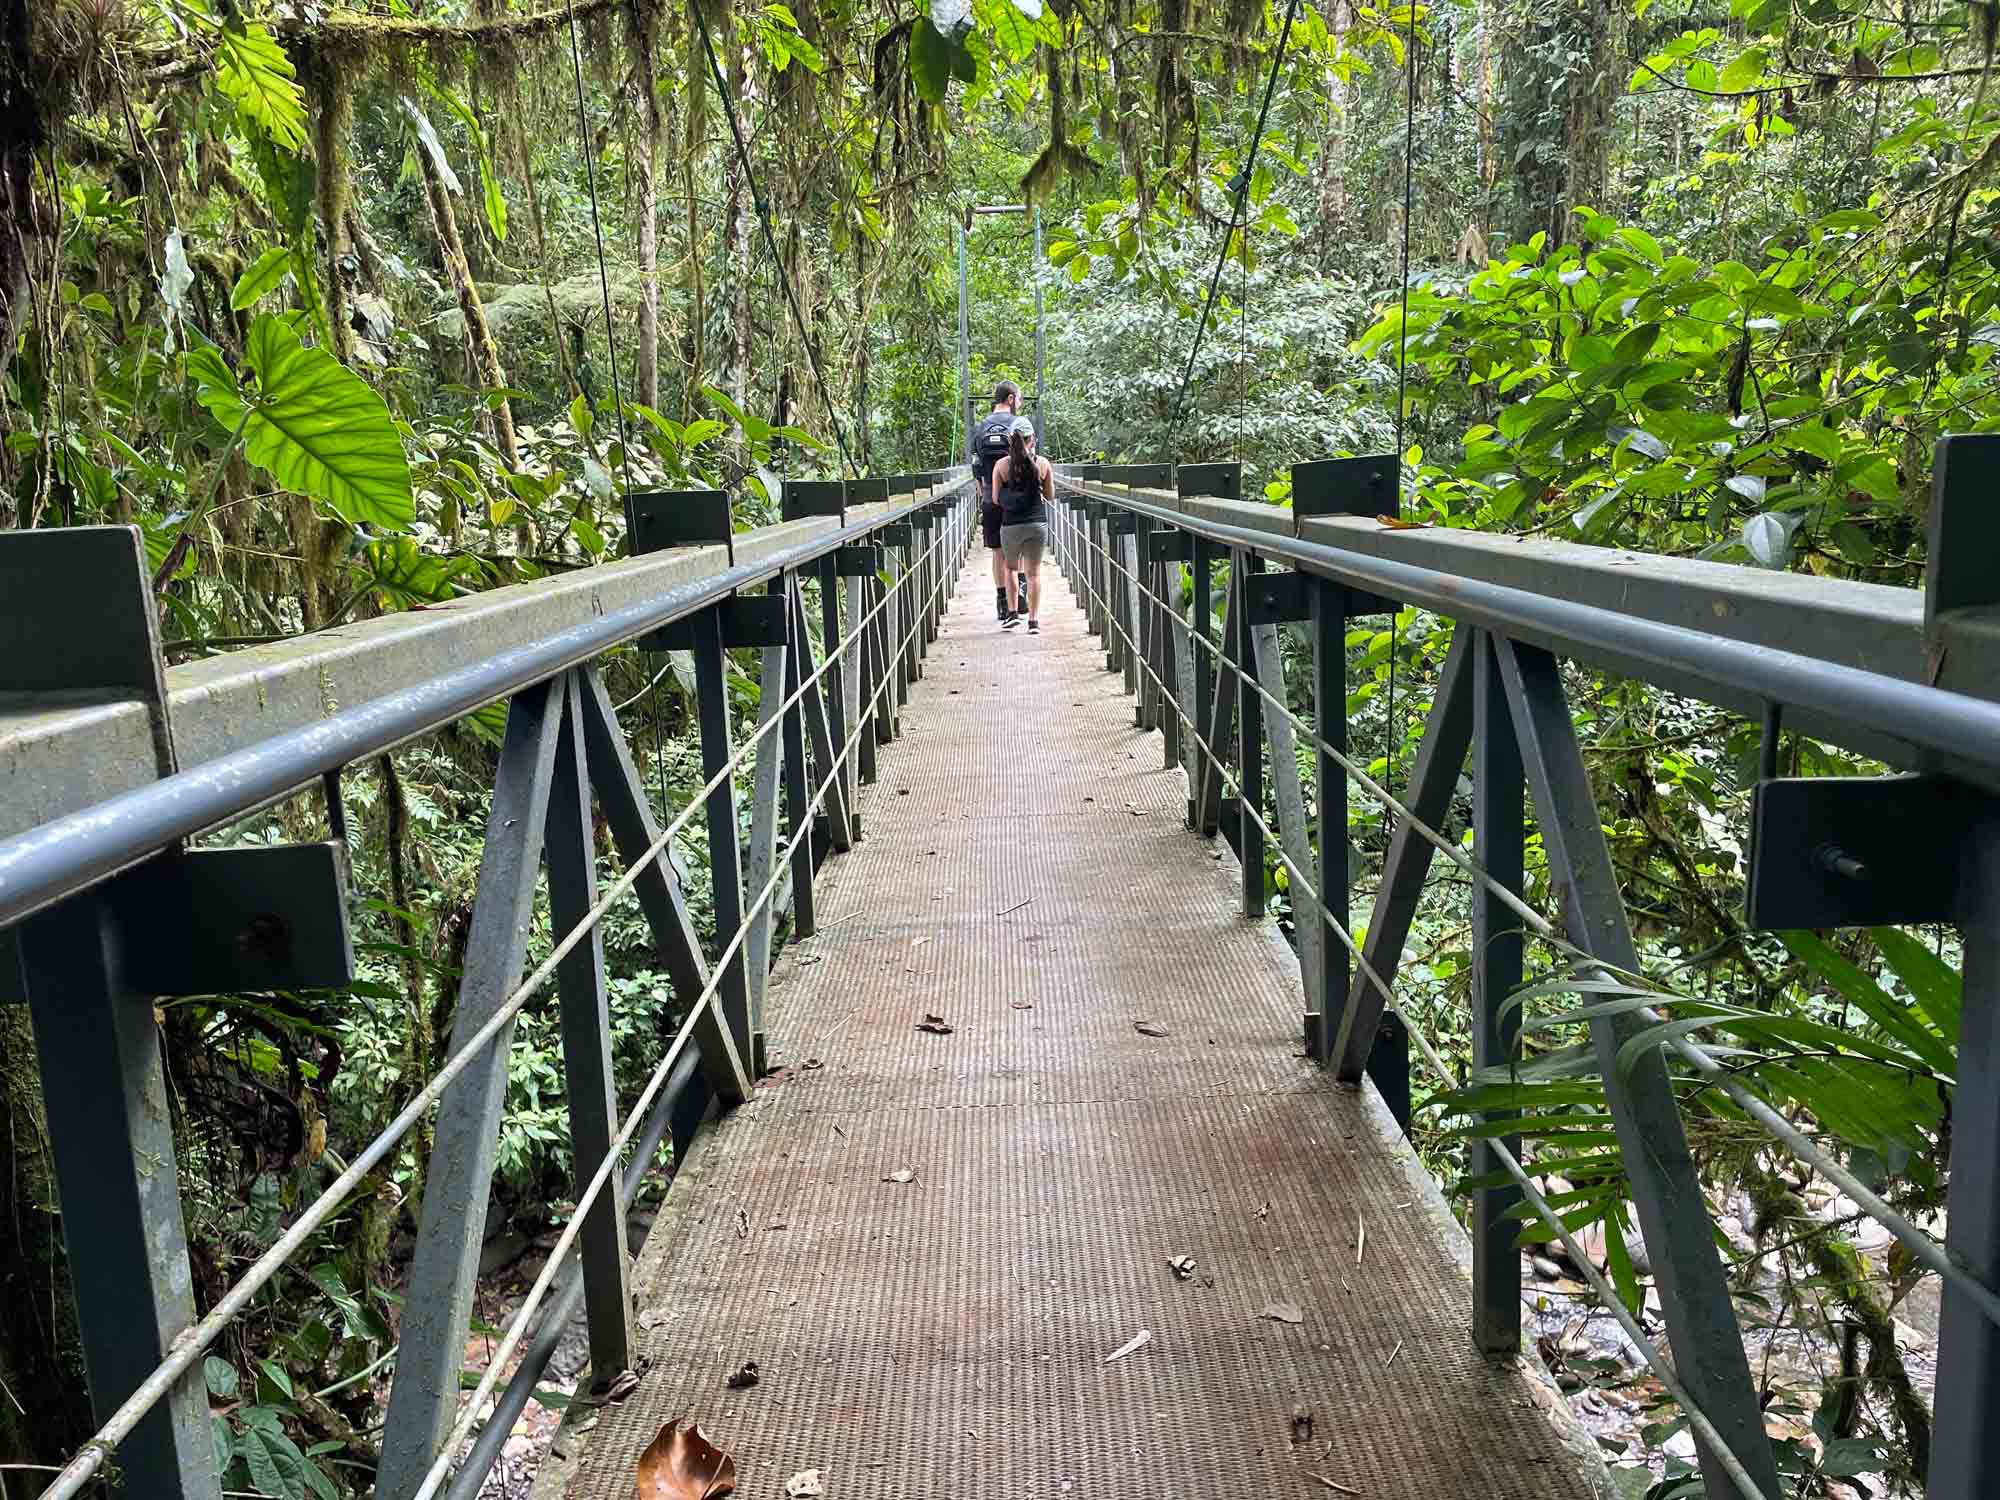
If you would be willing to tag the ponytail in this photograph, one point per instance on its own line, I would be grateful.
(1017, 451)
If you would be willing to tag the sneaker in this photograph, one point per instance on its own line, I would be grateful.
(1009, 620)
(1034, 626)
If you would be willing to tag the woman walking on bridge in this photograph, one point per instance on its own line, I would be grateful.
(1024, 485)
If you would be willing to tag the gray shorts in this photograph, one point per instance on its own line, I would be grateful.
(1024, 543)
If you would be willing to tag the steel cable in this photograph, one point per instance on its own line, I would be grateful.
(191, 1342)
(1661, 1366)
(780, 869)
(1918, 1241)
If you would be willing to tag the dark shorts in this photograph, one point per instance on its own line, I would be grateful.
(989, 524)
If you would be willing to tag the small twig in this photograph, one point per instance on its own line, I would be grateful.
(1015, 907)
(1330, 1484)
(838, 920)
(1392, 1354)
(1361, 1241)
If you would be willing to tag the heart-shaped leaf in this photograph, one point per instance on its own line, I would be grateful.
(316, 426)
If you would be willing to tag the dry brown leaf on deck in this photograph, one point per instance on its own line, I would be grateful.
(901, 1174)
(1182, 1266)
(1395, 523)
(1283, 1312)
(1150, 1028)
(936, 1025)
(805, 1482)
(1022, 1004)
(681, 1464)
(744, 1378)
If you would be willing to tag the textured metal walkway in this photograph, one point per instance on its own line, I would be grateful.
(946, 1336)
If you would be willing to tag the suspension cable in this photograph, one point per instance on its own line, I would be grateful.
(1920, 1242)
(770, 239)
(597, 229)
(1239, 187)
(190, 1343)
(440, 1470)
(1663, 1369)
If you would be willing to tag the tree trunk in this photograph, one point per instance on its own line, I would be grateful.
(739, 250)
(479, 334)
(647, 184)
(1556, 116)
(22, 133)
(697, 356)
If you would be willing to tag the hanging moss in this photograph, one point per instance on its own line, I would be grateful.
(331, 100)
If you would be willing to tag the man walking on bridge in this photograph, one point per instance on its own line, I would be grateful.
(989, 446)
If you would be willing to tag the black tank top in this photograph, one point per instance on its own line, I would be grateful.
(1021, 497)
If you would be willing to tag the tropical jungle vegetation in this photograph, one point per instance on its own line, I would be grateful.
(357, 306)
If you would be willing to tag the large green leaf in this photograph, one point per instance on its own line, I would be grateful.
(317, 427)
(1862, 992)
(930, 61)
(262, 278)
(252, 69)
(276, 1466)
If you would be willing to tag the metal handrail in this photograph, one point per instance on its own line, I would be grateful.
(189, 1345)
(1301, 880)
(1938, 720)
(70, 853)
(1921, 1245)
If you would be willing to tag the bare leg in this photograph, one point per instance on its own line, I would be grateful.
(1000, 570)
(1034, 568)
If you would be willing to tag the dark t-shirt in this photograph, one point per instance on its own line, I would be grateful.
(1021, 496)
(996, 424)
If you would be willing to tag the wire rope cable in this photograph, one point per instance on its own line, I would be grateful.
(1239, 187)
(771, 239)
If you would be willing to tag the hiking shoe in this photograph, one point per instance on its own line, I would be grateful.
(1009, 620)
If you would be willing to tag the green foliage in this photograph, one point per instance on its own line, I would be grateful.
(317, 427)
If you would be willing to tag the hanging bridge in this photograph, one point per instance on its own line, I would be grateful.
(1014, 1144)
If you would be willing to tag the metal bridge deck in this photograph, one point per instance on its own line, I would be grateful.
(946, 1337)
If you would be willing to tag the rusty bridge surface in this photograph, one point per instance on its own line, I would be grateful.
(1026, 875)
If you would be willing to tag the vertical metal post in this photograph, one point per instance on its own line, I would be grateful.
(586, 1038)
(111, 1133)
(1201, 628)
(1144, 714)
(1044, 429)
(1965, 1441)
(711, 665)
(964, 352)
(1249, 738)
(767, 777)
(798, 795)
(885, 686)
(1666, 1189)
(837, 674)
(1329, 604)
(1132, 641)
(860, 599)
(1498, 789)
(1167, 584)
(445, 1270)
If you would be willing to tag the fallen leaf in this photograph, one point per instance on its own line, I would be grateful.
(1302, 1425)
(1022, 1004)
(1182, 1266)
(805, 1482)
(1264, 1212)
(681, 1464)
(1150, 1028)
(1283, 1312)
(813, 1064)
(744, 1378)
(1138, 1340)
(901, 1174)
(936, 1025)
(1343, 1489)
(1396, 524)
(653, 1317)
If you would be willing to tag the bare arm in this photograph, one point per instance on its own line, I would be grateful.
(1048, 479)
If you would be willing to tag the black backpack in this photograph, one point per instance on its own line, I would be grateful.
(989, 441)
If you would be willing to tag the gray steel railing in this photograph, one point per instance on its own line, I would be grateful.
(1854, 664)
(103, 907)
